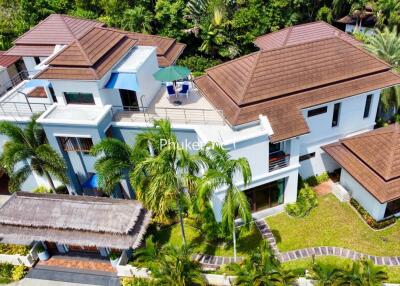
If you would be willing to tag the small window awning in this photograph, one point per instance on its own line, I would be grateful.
(38, 83)
(91, 183)
(119, 80)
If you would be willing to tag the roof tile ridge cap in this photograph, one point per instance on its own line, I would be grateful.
(289, 32)
(66, 25)
(33, 28)
(287, 28)
(83, 51)
(79, 18)
(12, 197)
(395, 136)
(255, 64)
(367, 134)
(232, 61)
(362, 49)
(52, 57)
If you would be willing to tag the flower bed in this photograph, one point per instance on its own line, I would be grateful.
(12, 249)
(369, 219)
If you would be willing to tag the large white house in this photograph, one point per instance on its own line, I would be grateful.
(307, 86)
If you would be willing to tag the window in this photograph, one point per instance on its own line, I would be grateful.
(266, 196)
(335, 117)
(79, 98)
(274, 147)
(367, 107)
(109, 133)
(307, 156)
(317, 111)
(37, 60)
(53, 95)
(77, 144)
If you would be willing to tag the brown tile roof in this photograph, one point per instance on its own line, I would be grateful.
(90, 57)
(56, 29)
(373, 159)
(282, 81)
(301, 34)
(37, 92)
(6, 61)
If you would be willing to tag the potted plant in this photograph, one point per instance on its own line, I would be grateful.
(42, 252)
(114, 258)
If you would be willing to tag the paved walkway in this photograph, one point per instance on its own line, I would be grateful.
(75, 276)
(78, 263)
(214, 262)
(320, 251)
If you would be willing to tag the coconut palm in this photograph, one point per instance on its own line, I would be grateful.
(386, 45)
(27, 151)
(163, 180)
(324, 275)
(137, 19)
(363, 273)
(221, 175)
(261, 268)
(174, 267)
(115, 161)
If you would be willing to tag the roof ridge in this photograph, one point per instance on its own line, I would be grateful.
(391, 157)
(78, 18)
(287, 28)
(83, 52)
(34, 27)
(232, 61)
(66, 25)
(250, 76)
(289, 32)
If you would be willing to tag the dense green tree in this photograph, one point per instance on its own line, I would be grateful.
(138, 19)
(170, 16)
(222, 173)
(27, 151)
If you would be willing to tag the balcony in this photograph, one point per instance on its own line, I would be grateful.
(278, 160)
(194, 109)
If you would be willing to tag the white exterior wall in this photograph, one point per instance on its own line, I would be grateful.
(30, 64)
(351, 122)
(360, 194)
(5, 81)
(61, 86)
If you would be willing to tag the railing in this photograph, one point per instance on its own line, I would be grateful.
(178, 114)
(22, 109)
(15, 80)
(278, 160)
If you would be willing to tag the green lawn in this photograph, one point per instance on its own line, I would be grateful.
(334, 224)
(299, 266)
(172, 235)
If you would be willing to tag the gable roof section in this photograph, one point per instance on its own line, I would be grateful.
(73, 220)
(373, 160)
(57, 29)
(281, 82)
(301, 34)
(90, 57)
(6, 61)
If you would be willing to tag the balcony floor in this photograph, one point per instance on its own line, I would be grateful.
(193, 109)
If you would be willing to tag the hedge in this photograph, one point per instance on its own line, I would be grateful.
(12, 272)
(306, 201)
(12, 249)
(316, 180)
(369, 219)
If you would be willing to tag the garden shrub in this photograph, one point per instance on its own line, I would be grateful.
(19, 272)
(6, 270)
(198, 64)
(41, 190)
(316, 180)
(12, 249)
(369, 219)
(137, 282)
(306, 201)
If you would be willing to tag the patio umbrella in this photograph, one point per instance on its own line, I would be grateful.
(171, 73)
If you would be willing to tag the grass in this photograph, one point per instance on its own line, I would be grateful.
(172, 235)
(4, 280)
(333, 223)
(299, 266)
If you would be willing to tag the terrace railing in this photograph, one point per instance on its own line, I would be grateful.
(278, 160)
(178, 114)
(22, 109)
(15, 80)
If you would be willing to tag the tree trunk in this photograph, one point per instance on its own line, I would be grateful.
(181, 223)
(50, 180)
(234, 242)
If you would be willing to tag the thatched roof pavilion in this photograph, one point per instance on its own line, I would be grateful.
(73, 220)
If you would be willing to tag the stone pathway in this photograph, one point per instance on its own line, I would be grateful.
(214, 262)
(320, 251)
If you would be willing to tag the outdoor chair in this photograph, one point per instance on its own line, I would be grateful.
(185, 89)
(171, 90)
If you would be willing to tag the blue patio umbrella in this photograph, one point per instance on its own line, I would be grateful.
(91, 183)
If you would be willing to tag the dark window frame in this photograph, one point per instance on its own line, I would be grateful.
(336, 114)
(317, 111)
(37, 60)
(367, 107)
(306, 156)
(68, 100)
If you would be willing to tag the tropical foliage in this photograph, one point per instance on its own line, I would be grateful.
(221, 28)
(27, 151)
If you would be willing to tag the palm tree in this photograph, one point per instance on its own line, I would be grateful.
(363, 273)
(222, 172)
(324, 275)
(29, 147)
(163, 180)
(174, 266)
(116, 160)
(386, 45)
(388, 13)
(138, 19)
(261, 268)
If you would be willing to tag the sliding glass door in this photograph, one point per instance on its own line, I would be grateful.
(266, 196)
